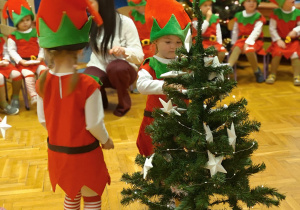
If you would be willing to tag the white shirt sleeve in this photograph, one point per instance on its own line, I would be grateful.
(41, 52)
(147, 85)
(273, 30)
(40, 111)
(94, 117)
(297, 29)
(205, 25)
(12, 50)
(133, 48)
(255, 33)
(234, 33)
(219, 34)
(5, 53)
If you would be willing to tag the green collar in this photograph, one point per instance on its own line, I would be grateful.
(159, 67)
(138, 16)
(287, 17)
(1, 35)
(213, 19)
(247, 20)
(26, 36)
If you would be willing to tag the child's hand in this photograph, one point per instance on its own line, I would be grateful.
(109, 144)
(208, 15)
(178, 87)
(245, 47)
(281, 43)
(292, 34)
(4, 63)
(23, 63)
(40, 59)
(117, 51)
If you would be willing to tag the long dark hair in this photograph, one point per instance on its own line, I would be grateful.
(108, 14)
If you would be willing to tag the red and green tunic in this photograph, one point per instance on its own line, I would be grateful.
(66, 125)
(5, 70)
(285, 23)
(210, 36)
(144, 33)
(245, 26)
(155, 69)
(27, 47)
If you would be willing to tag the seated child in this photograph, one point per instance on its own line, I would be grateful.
(7, 70)
(23, 44)
(211, 30)
(285, 30)
(247, 36)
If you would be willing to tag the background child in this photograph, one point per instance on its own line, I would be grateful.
(211, 30)
(285, 30)
(247, 36)
(7, 70)
(170, 25)
(23, 46)
(70, 106)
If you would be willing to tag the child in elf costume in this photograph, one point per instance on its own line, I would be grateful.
(23, 44)
(285, 30)
(247, 36)
(138, 16)
(169, 25)
(211, 30)
(7, 70)
(70, 106)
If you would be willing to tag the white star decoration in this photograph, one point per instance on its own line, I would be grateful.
(209, 136)
(188, 41)
(172, 74)
(231, 136)
(168, 107)
(214, 164)
(4, 126)
(148, 165)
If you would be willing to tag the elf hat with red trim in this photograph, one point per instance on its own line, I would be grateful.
(280, 3)
(137, 2)
(166, 17)
(62, 23)
(17, 9)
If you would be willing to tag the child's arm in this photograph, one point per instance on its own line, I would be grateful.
(5, 56)
(234, 33)
(219, 34)
(41, 54)
(274, 34)
(12, 51)
(295, 32)
(147, 85)
(255, 33)
(40, 111)
(94, 117)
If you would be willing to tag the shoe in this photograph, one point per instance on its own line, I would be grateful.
(15, 103)
(33, 100)
(297, 80)
(10, 110)
(135, 91)
(259, 76)
(271, 79)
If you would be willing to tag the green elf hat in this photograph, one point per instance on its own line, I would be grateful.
(62, 23)
(166, 17)
(202, 1)
(137, 3)
(258, 1)
(280, 3)
(17, 10)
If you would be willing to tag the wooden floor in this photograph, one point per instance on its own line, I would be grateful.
(24, 179)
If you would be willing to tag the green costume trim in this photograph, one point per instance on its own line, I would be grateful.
(213, 19)
(171, 28)
(16, 18)
(202, 1)
(95, 78)
(142, 3)
(138, 16)
(26, 36)
(1, 35)
(67, 33)
(286, 17)
(159, 67)
(242, 1)
(247, 20)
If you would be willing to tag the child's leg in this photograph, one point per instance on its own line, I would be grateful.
(234, 56)
(92, 201)
(3, 103)
(296, 68)
(16, 87)
(252, 58)
(30, 84)
(274, 66)
(40, 70)
(70, 204)
(221, 56)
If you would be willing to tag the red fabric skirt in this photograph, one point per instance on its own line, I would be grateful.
(257, 47)
(287, 52)
(32, 68)
(144, 141)
(218, 46)
(6, 70)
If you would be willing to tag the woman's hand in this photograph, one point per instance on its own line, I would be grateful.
(117, 51)
(109, 144)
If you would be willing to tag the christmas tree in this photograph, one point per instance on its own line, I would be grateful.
(202, 155)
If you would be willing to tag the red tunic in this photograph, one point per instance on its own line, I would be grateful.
(246, 30)
(144, 141)
(5, 70)
(26, 49)
(65, 121)
(283, 28)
